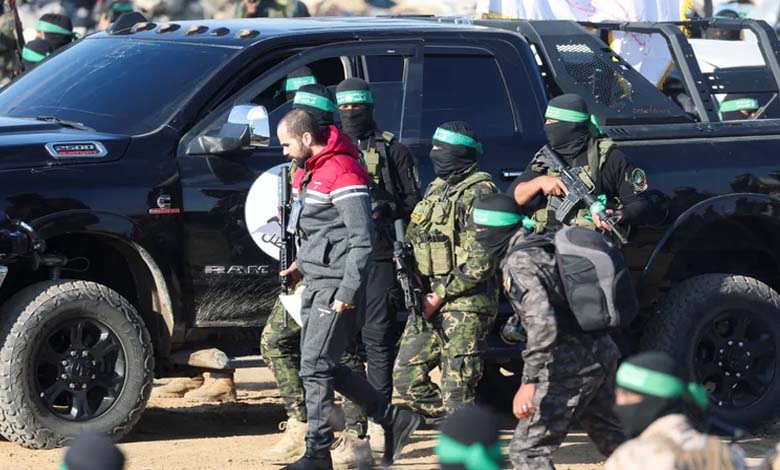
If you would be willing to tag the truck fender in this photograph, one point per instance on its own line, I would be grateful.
(691, 221)
(118, 228)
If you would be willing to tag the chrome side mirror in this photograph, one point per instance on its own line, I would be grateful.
(257, 119)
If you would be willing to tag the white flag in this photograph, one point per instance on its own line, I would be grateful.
(648, 54)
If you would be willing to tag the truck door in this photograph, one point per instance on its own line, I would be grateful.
(234, 274)
(490, 84)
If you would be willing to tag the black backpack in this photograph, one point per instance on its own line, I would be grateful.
(596, 280)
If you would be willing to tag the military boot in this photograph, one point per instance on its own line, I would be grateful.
(399, 425)
(177, 387)
(217, 387)
(376, 436)
(313, 460)
(351, 451)
(291, 446)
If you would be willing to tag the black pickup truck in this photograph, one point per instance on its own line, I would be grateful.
(132, 154)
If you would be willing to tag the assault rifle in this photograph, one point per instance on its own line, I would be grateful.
(579, 192)
(18, 30)
(287, 250)
(403, 259)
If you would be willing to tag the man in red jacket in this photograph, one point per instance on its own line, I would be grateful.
(332, 217)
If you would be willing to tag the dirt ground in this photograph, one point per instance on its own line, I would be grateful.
(175, 435)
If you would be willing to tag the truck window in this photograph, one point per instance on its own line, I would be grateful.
(385, 73)
(466, 88)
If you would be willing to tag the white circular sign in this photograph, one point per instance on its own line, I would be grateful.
(261, 211)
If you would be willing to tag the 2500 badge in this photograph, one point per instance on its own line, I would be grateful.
(76, 149)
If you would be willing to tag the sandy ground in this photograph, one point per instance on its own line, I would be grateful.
(175, 435)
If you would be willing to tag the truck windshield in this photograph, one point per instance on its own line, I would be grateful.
(114, 85)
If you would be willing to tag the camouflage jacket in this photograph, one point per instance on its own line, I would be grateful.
(9, 61)
(671, 443)
(472, 284)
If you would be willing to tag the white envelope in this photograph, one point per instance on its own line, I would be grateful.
(292, 303)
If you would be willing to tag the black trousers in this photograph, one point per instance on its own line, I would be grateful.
(378, 332)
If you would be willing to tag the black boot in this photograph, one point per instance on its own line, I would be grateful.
(399, 425)
(312, 460)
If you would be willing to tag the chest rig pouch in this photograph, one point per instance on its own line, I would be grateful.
(435, 248)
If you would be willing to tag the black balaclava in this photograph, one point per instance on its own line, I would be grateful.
(725, 34)
(93, 452)
(457, 157)
(295, 80)
(655, 376)
(35, 51)
(569, 136)
(315, 99)
(57, 29)
(499, 217)
(733, 104)
(357, 123)
(470, 440)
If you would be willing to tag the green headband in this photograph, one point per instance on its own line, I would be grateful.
(314, 101)
(659, 384)
(474, 457)
(490, 218)
(122, 6)
(354, 97)
(738, 105)
(561, 114)
(31, 56)
(567, 115)
(454, 138)
(292, 84)
(46, 27)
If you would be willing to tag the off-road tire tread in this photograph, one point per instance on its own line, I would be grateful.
(17, 324)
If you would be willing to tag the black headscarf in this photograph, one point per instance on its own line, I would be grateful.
(457, 157)
(56, 28)
(34, 52)
(296, 79)
(656, 376)
(358, 123)
(499, 217)
(315, 99)
(470, 440)
(569, 136)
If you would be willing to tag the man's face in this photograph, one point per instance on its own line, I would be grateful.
(350, 106)
(550, 121)
(625, 397)
(292, 148)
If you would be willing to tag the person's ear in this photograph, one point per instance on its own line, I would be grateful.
(306, 139)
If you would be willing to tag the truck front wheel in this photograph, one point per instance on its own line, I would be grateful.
(75, 357)
(725, 330)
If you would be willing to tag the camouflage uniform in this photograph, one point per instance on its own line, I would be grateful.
(575, 371)
(671, 443)
(9, 60)
(281, 350)
(470, 293)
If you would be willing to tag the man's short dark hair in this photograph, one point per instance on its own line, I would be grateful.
(299, 122)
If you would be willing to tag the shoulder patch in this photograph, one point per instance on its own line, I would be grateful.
(639, 180)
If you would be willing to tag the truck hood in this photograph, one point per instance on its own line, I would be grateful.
(29, 143)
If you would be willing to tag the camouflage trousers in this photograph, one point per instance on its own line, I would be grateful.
(578, 386)
(422, 349)
(281, 350)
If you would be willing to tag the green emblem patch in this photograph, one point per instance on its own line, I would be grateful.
(639, 180)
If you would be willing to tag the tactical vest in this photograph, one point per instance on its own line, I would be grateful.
(375, 161)
(597, 156)
(436, 251)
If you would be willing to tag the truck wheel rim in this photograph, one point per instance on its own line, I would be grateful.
(79, 369)
(735, 358)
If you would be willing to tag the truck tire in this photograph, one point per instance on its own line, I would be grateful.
(725, 330)
(75, 357)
